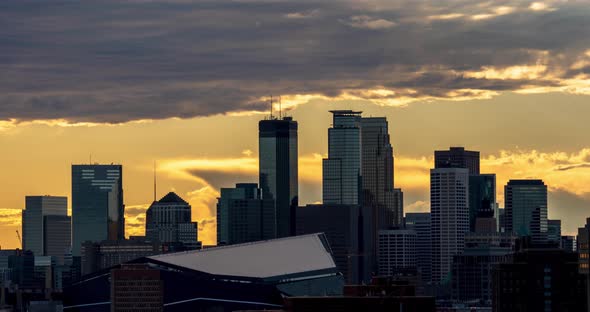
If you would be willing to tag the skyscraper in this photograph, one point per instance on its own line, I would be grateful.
(342, 169)
(482, 198)
(243, 215)
(449, 198)
(526, 208)
(279, 170)
(168, 220)
(97, 204)
(457, 157)
(377, 173)
(46, 225)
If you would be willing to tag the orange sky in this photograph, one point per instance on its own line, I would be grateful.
(520, 136)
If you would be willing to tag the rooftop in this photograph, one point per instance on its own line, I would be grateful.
(262, 259)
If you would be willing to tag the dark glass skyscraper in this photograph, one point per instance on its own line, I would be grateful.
(243, 215)
(377, 173)
(482, 198)
(341, 179)
(457, 157)
(97, 204)
(279, 170)
(526, 208)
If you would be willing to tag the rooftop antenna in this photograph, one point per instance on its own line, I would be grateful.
(271, 106)
(90, 159)
(280, 108)
(154, 180)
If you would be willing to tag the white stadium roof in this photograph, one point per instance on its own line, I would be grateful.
(263, 259)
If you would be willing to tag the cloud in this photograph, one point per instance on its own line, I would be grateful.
(303, 15)
(367, 22)
(113, 62)
(10, 217)
(540, 6)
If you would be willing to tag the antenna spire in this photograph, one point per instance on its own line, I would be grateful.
(271, 106)
(155, 180)
(280, 108)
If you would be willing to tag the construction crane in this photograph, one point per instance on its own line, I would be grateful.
(19, 238)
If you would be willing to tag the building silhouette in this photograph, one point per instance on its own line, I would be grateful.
(449, 199)
(539, 279)
(396, 252)
(420, 223)
(472, 279)
(482, 199)
(169, 220)
(343, 226)
(526, 209)
(251, 276)
(97, 204)
(377, 173)
(341, 181)
(278, 170)
(46, 226)
(457, 157)
(243, 215)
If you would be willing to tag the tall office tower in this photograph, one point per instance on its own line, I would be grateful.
(342, 169)
(377, 173)
(168, 220)
(244, 215)
(97, 204)
(457, 157)
(396, 252)
(482, 198)
(279, 170)
(526, 209)
(46, 225)
(420, 223)
(449, 198)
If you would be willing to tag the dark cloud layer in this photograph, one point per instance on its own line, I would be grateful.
(115, 61)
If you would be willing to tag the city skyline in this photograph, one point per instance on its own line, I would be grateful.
(246, 171)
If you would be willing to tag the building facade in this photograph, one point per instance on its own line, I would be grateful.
(136, 287)
(482, 198)
(472, 270)
(34, 222)
(278, 173)
(449, 198)
(58, 237)
(526, 209)
(457, 157)
(341, 182)
(396, 251)
(243, 215)
(98, 212)
(554, 232)
(420, 223)
(539, 280)
(169, 220)
(343, 227)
